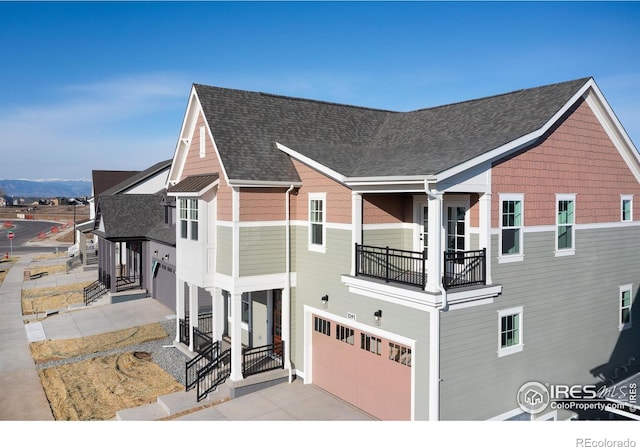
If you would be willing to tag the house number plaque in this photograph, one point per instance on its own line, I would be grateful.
(351, 316)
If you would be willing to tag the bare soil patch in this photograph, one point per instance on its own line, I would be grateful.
(49, 350)
(49, 269)
(5, 265)
(47, 256)
(43, 299)
(96, 389)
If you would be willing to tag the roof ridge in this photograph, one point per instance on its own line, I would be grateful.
(297, 98)
(483, 98)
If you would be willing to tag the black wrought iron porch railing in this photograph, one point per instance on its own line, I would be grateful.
(193, 366)
(205, 327)
(460, 269)
(127, 282)
(464, 268)
(201, 341)
(184, 331)
(213, 374)
(262, 359)
(391, 264)
(93, 291)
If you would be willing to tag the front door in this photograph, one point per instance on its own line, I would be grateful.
(456, 227)
(276, 318)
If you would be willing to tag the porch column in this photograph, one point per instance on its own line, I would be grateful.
(356, 227)
(193, 313)
(236, 337)
(485, 230)
(434, 251)
(217, 321)
(179, 306)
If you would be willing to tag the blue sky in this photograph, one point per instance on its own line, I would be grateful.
(90, 85)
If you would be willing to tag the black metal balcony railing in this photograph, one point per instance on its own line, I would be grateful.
(205, 324)
(464, 268)
(392, 265)
(460, 269)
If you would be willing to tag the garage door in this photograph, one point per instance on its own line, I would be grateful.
(370, 372)
(164, 285)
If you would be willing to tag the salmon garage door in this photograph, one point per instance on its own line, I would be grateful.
(369, 372)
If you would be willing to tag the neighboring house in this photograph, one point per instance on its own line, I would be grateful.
(135, 226)
(420, 265)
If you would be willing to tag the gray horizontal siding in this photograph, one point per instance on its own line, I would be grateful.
(319, 274)
(570, 319)
(224, 258)
(262, 250)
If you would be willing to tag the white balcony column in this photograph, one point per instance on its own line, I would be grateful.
(434, 251)
(193, 313)
(179, 306)
(217, 319)
(236, 337)
(356, 227)
(485, 230)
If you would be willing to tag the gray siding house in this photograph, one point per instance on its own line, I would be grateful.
(427, 265)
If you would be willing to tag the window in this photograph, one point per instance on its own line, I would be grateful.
(511, 223)
(626, 208)
(189, 219)
(184, 214)
(193, 217)
(370, 343)
(625, 307)
(344, 334)
(322, 325)
(400, 354)
(510, 331)
(565, 228)
(317, 221)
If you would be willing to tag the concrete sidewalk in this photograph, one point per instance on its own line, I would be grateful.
(21, 395)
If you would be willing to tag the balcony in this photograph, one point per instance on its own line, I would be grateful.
(460, 269)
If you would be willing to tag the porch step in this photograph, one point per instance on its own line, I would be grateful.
(128, 295)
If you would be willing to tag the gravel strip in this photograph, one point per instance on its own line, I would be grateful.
(170, 359)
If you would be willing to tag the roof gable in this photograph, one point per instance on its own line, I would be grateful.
(256, 133)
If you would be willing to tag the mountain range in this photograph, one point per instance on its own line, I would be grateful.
(45, 188)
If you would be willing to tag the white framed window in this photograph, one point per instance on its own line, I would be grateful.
(344, 334)
(371, 343)
(565, 224)
(625, 300)
(202, 142)
(317, 221)
(626, 208)
(321, 325)
(189, 219)
(510, 331)
(511, 227)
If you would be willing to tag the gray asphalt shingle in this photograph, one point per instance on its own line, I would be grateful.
(363, 142)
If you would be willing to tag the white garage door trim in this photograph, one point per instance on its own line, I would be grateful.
(308, 347)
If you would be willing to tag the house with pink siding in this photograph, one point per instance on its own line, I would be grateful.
(422, 265)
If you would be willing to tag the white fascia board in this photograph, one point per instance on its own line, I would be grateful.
(518, 143)
(614, 129)
(186, 129)
(389, 180)
(312, 163)
(262, 184)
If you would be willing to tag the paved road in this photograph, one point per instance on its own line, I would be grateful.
(24, 231)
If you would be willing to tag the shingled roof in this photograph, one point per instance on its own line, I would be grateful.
(130, 215)
(363, 142)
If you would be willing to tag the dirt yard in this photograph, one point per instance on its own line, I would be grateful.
(97, 388)
(5, 266)
(43, 299)
(94, 389)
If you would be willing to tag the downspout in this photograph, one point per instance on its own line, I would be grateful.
(434, 408)
(286, 304)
